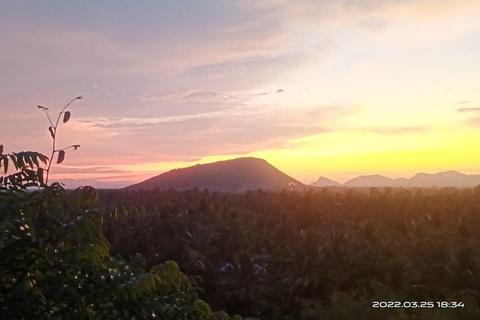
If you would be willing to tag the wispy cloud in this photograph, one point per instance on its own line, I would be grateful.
(201, 96)
(104, 170)
(204, 96)
(468, 109)
(136, 122)
(234, 131)
(395, 130)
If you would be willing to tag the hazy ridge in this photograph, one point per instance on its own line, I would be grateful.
(424, 180)
(243, 174)
(235, 175)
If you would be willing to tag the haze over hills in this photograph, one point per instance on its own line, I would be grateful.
(325, 182)
(235, 175)
(375, 180)
(425, 180)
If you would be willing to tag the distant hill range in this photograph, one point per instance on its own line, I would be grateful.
(423, 180)
(243, 174)
(229, 176)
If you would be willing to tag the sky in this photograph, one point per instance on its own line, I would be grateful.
(336, 88)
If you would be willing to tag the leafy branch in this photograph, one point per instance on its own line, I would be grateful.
(53, 132)
(25, 164)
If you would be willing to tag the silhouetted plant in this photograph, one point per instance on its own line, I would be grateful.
(53, 129)
(27, 165)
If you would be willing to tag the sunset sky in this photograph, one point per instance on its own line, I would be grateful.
(317, 88)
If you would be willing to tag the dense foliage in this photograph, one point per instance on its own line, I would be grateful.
(325, 254)
(55, 262)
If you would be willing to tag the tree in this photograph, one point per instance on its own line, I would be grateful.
(55, 262)
(53, 132)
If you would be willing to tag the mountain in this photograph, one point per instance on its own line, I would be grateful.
(401, 182)
(371, 181)
(325, 182)
(442, 179)
(423, 180)
(235, 175)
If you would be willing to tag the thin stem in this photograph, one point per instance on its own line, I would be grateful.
(48, 116)
(50, 160)
(60, 114)
(72, 146)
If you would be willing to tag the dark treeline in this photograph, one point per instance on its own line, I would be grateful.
(326, 253)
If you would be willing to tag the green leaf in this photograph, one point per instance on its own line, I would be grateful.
(146, 283)
(152, 281)
(133, 293)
